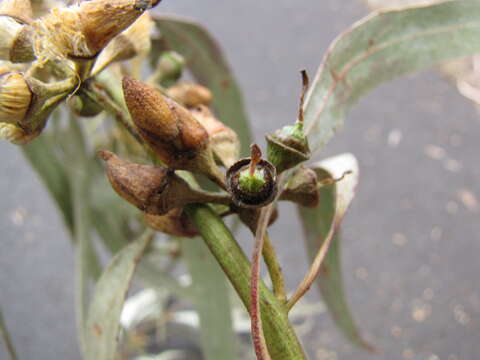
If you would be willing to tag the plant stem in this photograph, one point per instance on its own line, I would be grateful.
(6, 338)
(281, 339)
(274, 269)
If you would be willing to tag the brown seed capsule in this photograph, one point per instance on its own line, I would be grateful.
(153, 189)
(15, 97)
(175, 223)
(252, 181)
(190, 95)
(81, 31)
(224, 141)
(172, 132)
(302, 188)
(134, 41)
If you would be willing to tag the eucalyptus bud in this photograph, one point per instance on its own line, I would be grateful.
(252, 181)
(16, 134)
(134, 41)
(169, 68)
(172, 132)
(190, 95)
(302, 188)
(224, 141)
(84, 106)
(15, 97)
(154, 190)
(81, 31)
(288, 146)
(16, 40)
(250, 217)
(174, 223)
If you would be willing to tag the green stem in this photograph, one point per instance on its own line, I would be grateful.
(6, 338)
(282, 341)
(274, 269)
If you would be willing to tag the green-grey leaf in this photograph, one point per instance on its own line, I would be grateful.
(211, 300)
(208, 65)
(103, 323)
(5, 336)
(43, 158)
(316, 225)
(382, 46)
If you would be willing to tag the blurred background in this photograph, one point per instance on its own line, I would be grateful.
(410, 240)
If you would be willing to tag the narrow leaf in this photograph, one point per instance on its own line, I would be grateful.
(208, 65)
(103, 323)
(5, 335)
(316, 224)
(211, 300)
(382, 46)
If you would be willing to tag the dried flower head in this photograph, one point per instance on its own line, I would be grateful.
(83, 30)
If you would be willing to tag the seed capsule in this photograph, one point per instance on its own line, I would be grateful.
(252, 181)
(174, 223)
(224, 141)
(190, 95)
(15, 97)
(172, 132)
(288, 146)
(302, 188)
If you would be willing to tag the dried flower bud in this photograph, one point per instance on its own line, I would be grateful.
(252, 181)
(132, 42)
(153, 189)
(83, 30)
(174, 223)
(190, 95)
(224, 141)
(15, 97)
(172, 132)
(16, 40)
(19, 9)
(302, 188)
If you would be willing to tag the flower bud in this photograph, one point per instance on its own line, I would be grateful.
(84, 106)
(302, 188)
(224, 141)
(174, 223)
(169, 68)
(15, 97)
(81, 31)
(132, 42)
(250, 217)
(16, 134)
(16, 40)
(190, 95)
(252, 181)
(172, 132)
(153, 189)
